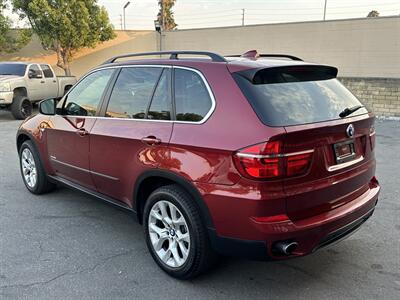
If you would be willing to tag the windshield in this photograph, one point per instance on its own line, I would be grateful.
(12, 69)
(298, 102)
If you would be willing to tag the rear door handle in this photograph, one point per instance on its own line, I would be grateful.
(42, 81)
(82, 132)
(151, 141)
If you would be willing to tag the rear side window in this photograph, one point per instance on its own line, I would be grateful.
(47, 71)
(287, 98)
(160, 108)
(192, 99)
(132, 92)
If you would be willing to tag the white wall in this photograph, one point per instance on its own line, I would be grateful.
(359, 47)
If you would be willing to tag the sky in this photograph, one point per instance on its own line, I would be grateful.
(140, 14)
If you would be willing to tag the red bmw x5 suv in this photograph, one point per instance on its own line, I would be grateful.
(262, 156)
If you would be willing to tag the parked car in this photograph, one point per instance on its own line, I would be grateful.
(248, 156)
(22, 84)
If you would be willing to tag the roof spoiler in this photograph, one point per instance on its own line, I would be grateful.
(253, 54)
(295, 73)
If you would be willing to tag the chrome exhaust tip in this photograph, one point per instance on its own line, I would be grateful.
(285, 247)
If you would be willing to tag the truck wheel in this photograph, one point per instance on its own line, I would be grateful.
(175, 234)
(32, 171)
(21, 108)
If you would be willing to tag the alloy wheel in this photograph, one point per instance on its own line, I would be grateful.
(29, 168)
(26, 109)
(169, 234)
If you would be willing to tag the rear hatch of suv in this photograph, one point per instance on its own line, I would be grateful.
(327, 151)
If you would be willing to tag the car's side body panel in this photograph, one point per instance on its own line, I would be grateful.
(68, 148)
(118, 155)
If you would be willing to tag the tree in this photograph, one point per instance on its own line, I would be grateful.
(373, 14)
(11, 41)
(65, 26)
(166, 15)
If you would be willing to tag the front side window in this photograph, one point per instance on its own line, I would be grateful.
(34, 71)
(85, 97)
(132, 92)
(192, 99)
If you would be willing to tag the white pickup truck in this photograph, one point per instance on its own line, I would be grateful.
(22, 84)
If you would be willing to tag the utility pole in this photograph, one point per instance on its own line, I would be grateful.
(162, 16)
(326, 1)
(120, 21)
(243, 11)
(162, 23)
(126, 5)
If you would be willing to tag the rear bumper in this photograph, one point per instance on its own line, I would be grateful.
(310, 234)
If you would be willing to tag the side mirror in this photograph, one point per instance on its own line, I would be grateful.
(34, 75)
(48, 107)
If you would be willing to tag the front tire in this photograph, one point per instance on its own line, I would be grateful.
(32, 171)
(175, 234)
(21, 108)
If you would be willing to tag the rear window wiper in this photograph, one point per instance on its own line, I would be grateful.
(349, 110)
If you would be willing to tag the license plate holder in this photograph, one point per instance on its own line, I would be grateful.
(344, 151)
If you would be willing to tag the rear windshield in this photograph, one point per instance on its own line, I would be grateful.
(12, 69)
(294, 99)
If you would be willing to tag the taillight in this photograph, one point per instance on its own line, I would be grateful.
(267, 161)
(372, 136)
(298, 164)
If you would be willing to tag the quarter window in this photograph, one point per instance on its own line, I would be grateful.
(132, 92)
(85, 97)
(192, 99)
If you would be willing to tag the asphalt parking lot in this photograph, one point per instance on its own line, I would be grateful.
(66, 245)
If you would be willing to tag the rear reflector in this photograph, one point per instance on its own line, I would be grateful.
(271, 219)
(267, 161)
(372, 137)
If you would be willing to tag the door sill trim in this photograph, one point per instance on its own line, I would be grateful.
(92, 193)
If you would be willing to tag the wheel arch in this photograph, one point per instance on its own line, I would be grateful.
(20, 91)
(23, 136)
(153, 179)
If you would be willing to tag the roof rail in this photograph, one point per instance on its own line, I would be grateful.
(253, 54)
(173, 55)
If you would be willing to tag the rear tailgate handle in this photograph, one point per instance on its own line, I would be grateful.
(82, 132)
(151, 141)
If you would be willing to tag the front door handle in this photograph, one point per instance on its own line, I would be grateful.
(151, 140)
(42, 81)
(82, 132)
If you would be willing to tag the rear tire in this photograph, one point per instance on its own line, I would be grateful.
(175, 234)
(21, 108)
(32, 171)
